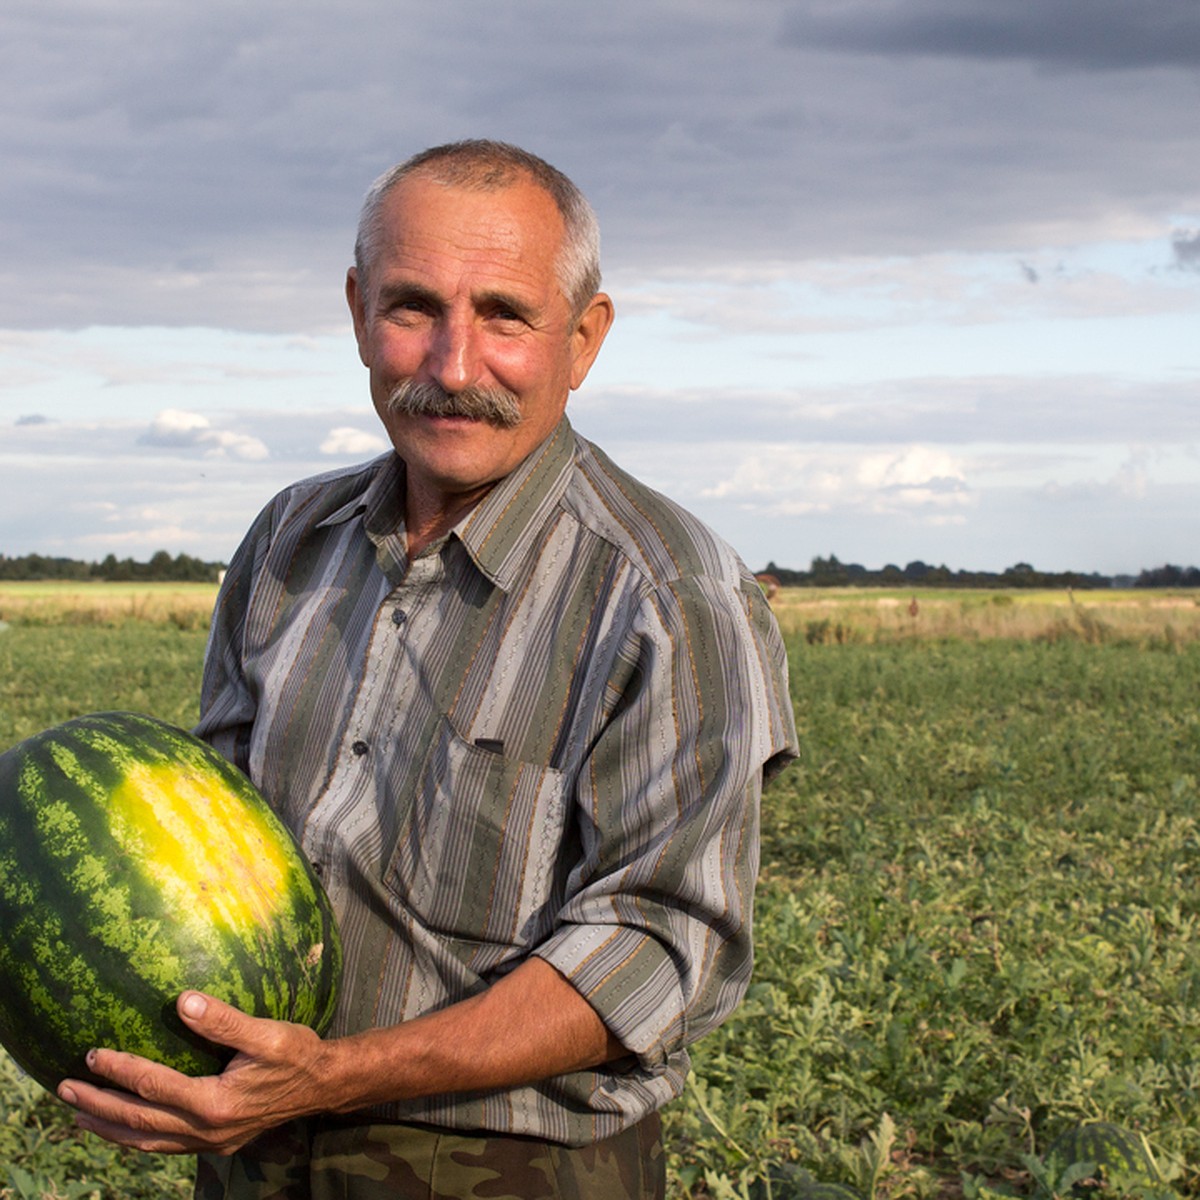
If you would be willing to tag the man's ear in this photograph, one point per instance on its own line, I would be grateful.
(590, 331)
(358, 313)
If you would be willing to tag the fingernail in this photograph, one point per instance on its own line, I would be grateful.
(67, 1095)
(90, 1059)
(194, 1006)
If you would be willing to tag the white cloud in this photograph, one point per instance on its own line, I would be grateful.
(911, 467)
(238, 445)
(172, 427)
(348, 441)
(797, 481)
(175, 429)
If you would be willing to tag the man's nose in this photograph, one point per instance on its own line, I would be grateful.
(453, 355)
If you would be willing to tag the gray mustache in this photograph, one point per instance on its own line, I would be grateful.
(496, 405)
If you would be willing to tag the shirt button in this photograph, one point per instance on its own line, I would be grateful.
(359, 748)
(399, 616)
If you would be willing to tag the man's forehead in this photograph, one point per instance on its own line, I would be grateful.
(515, 231)
(519, 208)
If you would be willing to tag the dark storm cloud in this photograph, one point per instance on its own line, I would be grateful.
(1090, 34)
(203, 164)
(1186, 247)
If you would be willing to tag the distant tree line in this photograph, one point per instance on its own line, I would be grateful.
(161, 568)
(822, 572)
(830, 572)
(1169, 576)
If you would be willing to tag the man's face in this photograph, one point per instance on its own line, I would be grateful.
(463, 292)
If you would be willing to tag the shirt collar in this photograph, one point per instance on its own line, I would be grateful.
(384, 484)
(382, 503)
(504, 526)
(499, 531)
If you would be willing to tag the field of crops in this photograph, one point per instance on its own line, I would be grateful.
(979, 913)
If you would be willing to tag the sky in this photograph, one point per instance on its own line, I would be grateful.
(895, 280)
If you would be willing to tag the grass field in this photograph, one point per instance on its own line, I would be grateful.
(979, 913)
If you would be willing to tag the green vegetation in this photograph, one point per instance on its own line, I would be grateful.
(41, 1158)
(49, 673)
(978, 925)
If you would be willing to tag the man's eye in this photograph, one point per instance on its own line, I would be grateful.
(407, 310)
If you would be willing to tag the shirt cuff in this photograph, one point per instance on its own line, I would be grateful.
(629, 979)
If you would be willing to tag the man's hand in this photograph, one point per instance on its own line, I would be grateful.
(271, 1078)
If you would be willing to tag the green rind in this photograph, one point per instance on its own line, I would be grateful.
(1114, 1151)
(90, 954)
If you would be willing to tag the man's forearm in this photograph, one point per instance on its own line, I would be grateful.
(528, 1026)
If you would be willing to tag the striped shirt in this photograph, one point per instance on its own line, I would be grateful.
(546, 735)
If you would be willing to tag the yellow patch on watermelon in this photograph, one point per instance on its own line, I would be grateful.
(197, 841)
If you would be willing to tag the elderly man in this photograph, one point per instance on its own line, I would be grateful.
(518, 709)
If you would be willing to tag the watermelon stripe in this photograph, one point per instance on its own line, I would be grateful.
(1110, 1149)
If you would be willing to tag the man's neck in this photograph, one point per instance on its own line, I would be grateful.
(430, 515)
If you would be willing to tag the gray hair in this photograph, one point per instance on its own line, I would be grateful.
(486, 166)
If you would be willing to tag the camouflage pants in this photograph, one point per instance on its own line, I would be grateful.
(324, 1161)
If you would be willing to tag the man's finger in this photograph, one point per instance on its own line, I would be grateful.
(221, 1023)
(136, 1077)
(125, 1116)
(214, 1019)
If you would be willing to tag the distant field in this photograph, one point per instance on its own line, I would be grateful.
(183, 605)
(856, 615)
(818, 615)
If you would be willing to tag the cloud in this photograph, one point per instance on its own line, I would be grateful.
(85, 489)
(954, 411)
(871, 477)
(795, 481)
(348, 441)
(1088, 34)
(175, 429)
(1186, 247)
(823, 219)
(184, 165)
(801, 299)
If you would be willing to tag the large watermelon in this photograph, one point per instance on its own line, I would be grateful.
(135, 862)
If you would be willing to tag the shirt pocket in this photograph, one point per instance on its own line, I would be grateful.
(479, 854)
